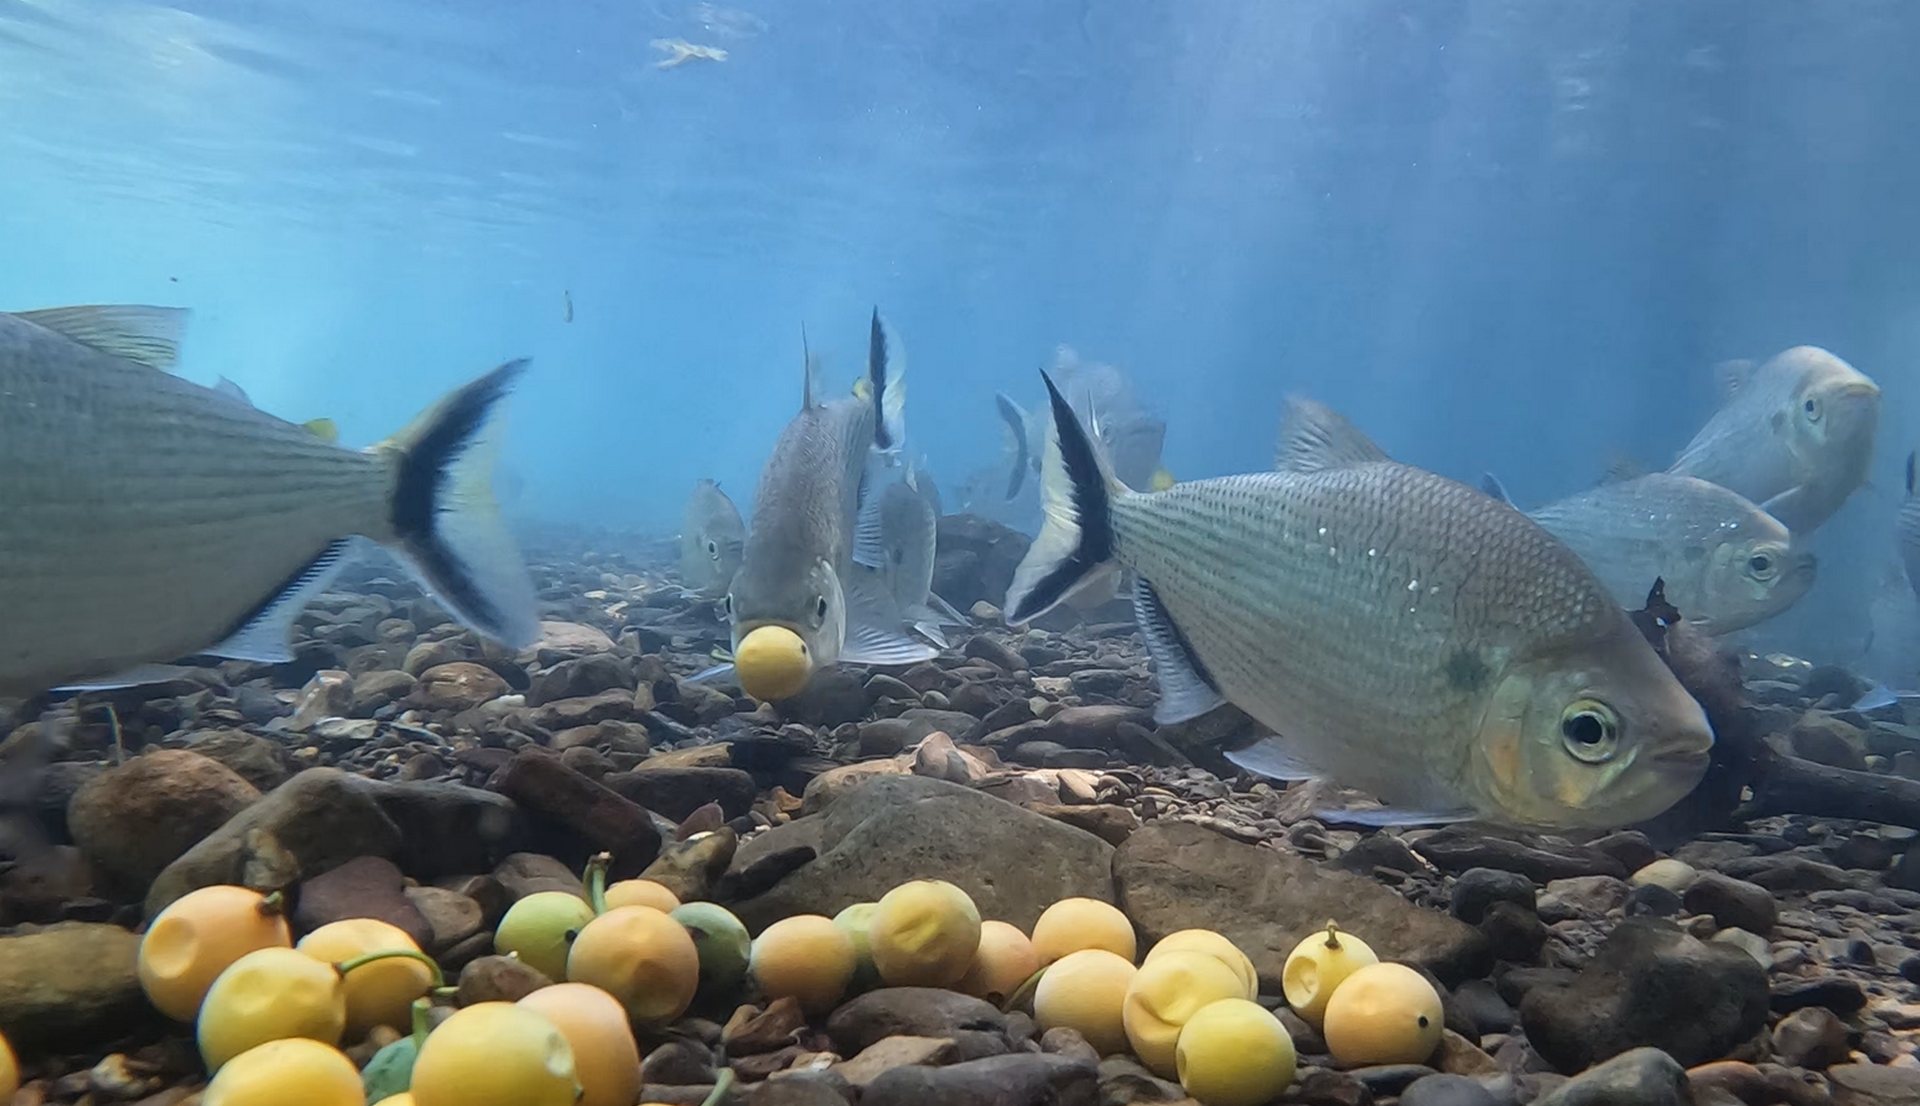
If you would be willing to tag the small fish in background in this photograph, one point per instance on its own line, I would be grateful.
(682, 52)
(567, 298)
(1727, 564)
(1103, 398)
(796, 604)
(1331, 601)
(146, 518)
(712, 541)
(903, 530)
(1906, 530)
(1794, 434)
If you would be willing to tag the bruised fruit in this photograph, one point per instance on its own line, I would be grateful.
(1165, 993)
(1214, 945)
(857, 921)
(495, 1054)
(806, 956)
(1383, 1014)
(1316, 967)
(271, 995)
(641, 892)
(379, 993)
(722, 942)
(540, 928)
(606, 1060)
(1074, 924)
(1004, 960)
(197, 937)
(1087, 991)
(924, 934)
(641, 957)
(1234, 1053)
(291, 1072)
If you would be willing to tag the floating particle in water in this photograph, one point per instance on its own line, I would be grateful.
(683, 51)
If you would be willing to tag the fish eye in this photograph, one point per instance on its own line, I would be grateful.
(713, 548)
(1590, 731)
(1762, 565)
(1811, 405)
(820, 607)
(726, 604)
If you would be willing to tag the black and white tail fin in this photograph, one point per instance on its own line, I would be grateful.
(446, 526)
(1077, 488)
(887, 377)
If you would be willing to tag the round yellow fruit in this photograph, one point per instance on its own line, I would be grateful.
(196, 938)
(270, 995)
(379, 993)
(540, 929)
(401, 1099)
(806, 956)
(291, 1072)
(495, 1054)
(1087, 991)
(9, 1071)
(1214, 945)
(772, 663)
(1004, 961)
(1168, 990)
(606, 1060)
(1234, 1053)
(924, 934)
(1074, 924)
(641, 957)
(1316, 967)
(857, 920)
(1383, 1014)
(642, 892)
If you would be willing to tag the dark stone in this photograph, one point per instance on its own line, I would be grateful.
(134, 820)
(975, 560)
(1514, 933)
(1873, 1085)
(446, 828)
(1320, 1087)
(1640, 1077)
(498, 979)
(1477, 889)
(364, 887)
(1019, 1079)
(1836, 993)
(1447, 1090)
(1811, 1038)
(1457, 848)
(679, 1061)
(1792, 873)
(833, 697)
(260, 762)
(1379, 850)
(1732, 902)
(976, 1026)
(1391, 1079)
(1482, 1005)
(603, 818)
(677, 792)
(581, 677)
(1653, 901)
(1630, 847)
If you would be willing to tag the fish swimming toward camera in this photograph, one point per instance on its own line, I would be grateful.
(1727, 564)
(903, 529)
(796, 604)
(712, 541)
(145, 518)
(1405, 633)
(1794, 434)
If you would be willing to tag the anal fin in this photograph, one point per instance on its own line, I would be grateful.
(138, 676)
(264, 634)
(876, 628)
(1275, 758)
(1186, 687)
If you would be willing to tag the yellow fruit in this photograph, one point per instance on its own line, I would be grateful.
(495, 1054)
(540, 928)
(772, 663)
(641, 957)
(857, 920)
(722, 941)
(1316, 967)
(1003, 962)
(1167, 991)
(380, 993)
(401, 1099)
(642, 892)
(806, 956)
(924, 934)
(270, 995)
(9, 1071)
(1087, 991)
(606, 1060)
(1214, 945)
(292, 1072)
(1234, 1053)
(192, 941)
(1074, 924)
(1383, 1014)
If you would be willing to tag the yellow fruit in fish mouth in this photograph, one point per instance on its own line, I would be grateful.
(772, 663)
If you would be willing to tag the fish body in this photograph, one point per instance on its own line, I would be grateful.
(145, 518)
(907, 535)
(1727, 564)
(1795, 435)
(1906, 530)
(712, 540)
(796, 578)
(1402, 632)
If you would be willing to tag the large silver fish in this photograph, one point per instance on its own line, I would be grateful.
(1794, 435)
(1405, 633)
(145, 518)
(796, 605)
(1102, 397)
(1727, 564)
(904, 529)
(712, 541)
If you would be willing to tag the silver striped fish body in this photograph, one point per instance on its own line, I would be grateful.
(1794, 435)
(143, 516)
(910, 531)
(712, 540)
(1726, 563)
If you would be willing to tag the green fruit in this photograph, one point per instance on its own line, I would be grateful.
(722, 941)
(857, 920)
(540, 928)
(390, 1071)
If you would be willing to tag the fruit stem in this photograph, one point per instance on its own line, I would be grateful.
(433, 968)
(1333, 935)
(1021, 992)
(420, 1009)
(273, 905)
(597, 882)
(720, 1088)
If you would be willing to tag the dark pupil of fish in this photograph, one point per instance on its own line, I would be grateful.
(820, 606)
(1759, 563)
(713, 549)
(1584, 728)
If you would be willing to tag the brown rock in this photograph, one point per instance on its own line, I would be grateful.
(379, 688)
(607, 821)
(829, 786)
(675, 792)
(327, 695)
(451, 916)
(692, 868)
(524, 874)
(1110, 823)
(457, 686)
(752, 1030)
(498, 979)
(70, 987)
(893, 1052)
(717, 755)
(260, 762)
(134, 820)
(364, 887)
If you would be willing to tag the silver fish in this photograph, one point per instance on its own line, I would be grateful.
(1102, 397)
(1795, 435)
(796, 604)
(145, 518)
(712, 541)
(904, 530)
(1727, 564)
(1405, 633)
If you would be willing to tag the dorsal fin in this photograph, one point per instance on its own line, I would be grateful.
(146, 335)
(1622, 468)
(1731, 376)
(1315, 437)
(1490, 484)
(810, 365)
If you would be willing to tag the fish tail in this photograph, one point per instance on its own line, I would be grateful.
(444, 522)
(887, 376)
(1077, 489)
(1016, 421)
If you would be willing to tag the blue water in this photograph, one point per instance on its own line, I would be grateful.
(1498, 235)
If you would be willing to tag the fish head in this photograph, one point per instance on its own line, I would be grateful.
(1595, 737)
(1749, 579)
(1832, 412)
(786, 629)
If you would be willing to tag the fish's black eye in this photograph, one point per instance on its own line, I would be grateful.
(713, 548)
(1590, 731)
(1761, 565)
(726, 604)
(1811, 405)
(820, 607)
